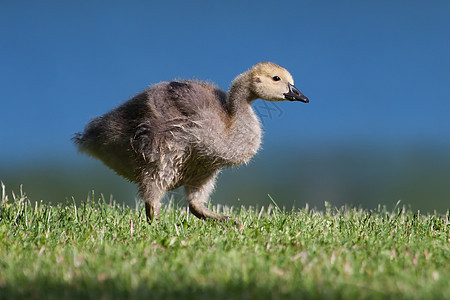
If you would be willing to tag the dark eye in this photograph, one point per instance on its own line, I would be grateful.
(276, 78)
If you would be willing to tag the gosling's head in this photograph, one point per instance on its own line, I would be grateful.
(271, 82)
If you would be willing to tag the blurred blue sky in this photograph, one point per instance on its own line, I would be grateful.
(375, 71)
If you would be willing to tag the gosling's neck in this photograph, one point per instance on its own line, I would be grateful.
(243, 134)
(240, 94)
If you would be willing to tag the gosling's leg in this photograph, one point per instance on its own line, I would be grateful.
(152, 211)
(151, 195)
(198, 195)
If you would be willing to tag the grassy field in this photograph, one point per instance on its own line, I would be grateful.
(100, 250)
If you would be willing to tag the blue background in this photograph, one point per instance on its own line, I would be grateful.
(377, 74)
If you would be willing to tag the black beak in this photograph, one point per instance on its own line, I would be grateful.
(295, 95)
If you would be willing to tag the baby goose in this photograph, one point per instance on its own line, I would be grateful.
(182, 133)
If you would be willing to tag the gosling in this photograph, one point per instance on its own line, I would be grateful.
(181, 133)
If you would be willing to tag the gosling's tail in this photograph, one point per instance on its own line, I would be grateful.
(80, 141)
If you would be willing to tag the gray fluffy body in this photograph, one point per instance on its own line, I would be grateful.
(182, 133)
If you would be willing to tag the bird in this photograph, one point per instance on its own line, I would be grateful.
(183, 132)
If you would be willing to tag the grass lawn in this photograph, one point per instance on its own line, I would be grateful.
(100, 250)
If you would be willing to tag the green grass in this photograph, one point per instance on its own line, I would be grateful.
(99, 250)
